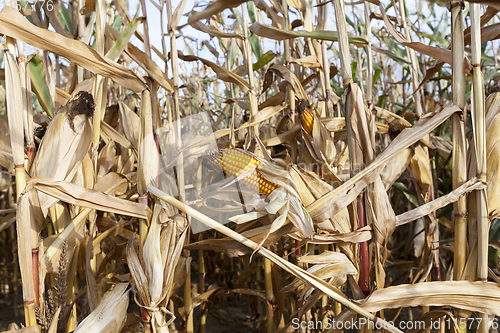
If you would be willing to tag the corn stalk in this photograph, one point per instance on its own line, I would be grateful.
(483, 223)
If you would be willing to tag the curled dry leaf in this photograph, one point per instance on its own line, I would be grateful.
(221, 72)
(421, 171)
(213, 8)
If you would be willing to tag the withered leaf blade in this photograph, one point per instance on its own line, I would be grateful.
(85, 197)
(472, 296)
(213, 8)
(13, 24)
(221, 72)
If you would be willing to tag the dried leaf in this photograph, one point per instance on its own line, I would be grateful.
(212, 8)
(13, 24)
(221, 72)
(343, 195)
(111, 313)
(493, 164)
(280, 34)
(84, 197)
(483, 297)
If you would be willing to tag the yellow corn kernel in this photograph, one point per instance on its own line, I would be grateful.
(235, 161)
(307, 120)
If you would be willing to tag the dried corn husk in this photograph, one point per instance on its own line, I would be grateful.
(149, 159)
(153, 272)
(111, 313)
(421, 171)
(64, 145)
(493, 164)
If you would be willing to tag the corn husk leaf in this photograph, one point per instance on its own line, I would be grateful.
(492, 106)
(149, 158)
(25, 244)
(111, 313)
(15, 107)
(395, 167)
(493, 164)
(130, 121)
(421, 170)
(153, 274)
(61, 150)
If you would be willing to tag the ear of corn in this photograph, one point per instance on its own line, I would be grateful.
(307, 116)
(234, 162)
(307, 120)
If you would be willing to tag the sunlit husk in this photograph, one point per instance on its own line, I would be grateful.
(61, 150)
(111, 313)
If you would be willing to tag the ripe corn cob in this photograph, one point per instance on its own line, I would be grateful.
(307, 120)
(235, 162)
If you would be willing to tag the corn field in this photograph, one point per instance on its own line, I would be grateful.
(269, 166)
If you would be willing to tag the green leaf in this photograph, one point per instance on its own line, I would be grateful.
(256, 48)
(65, 18)
(378, 71)
(264, 59)
(39, 86)
(120, 44)
(117, 22)
(354, 68)
(232, 55)
(251, 11)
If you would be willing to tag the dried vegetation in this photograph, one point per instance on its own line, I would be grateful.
(280, 168)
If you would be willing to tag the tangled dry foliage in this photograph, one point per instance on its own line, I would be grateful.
(354, 167)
